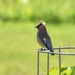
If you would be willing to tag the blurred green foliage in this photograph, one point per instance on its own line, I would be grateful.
(53, 11)
(64, 71)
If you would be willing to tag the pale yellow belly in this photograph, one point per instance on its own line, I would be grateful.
(40, 43)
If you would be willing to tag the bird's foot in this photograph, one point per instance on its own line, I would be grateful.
(43, 49)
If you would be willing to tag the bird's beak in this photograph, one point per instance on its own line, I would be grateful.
(35, 27)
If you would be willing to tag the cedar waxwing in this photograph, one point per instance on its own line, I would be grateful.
(43, 38)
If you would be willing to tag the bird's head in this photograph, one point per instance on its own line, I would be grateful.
(41, 25)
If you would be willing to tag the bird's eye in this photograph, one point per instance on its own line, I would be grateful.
(38, 26)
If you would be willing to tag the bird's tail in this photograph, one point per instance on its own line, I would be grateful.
(53, 54)
(51, 50)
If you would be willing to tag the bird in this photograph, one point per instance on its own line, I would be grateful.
(43, 37)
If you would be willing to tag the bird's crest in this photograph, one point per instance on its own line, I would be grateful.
(42, 22)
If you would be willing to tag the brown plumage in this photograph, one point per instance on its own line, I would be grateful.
(43, 38)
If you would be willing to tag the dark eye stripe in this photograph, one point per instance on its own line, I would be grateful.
(39, 25)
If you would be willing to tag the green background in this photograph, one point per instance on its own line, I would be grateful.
(18, 45)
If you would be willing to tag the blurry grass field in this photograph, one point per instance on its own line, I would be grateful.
(18, 47)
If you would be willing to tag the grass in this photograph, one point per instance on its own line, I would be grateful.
(18, 47)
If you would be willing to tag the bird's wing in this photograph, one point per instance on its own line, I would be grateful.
(47, 42)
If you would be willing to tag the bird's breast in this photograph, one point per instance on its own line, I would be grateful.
(39, 41)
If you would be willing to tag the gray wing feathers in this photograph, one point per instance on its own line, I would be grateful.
(49, 44)
(46, 40)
